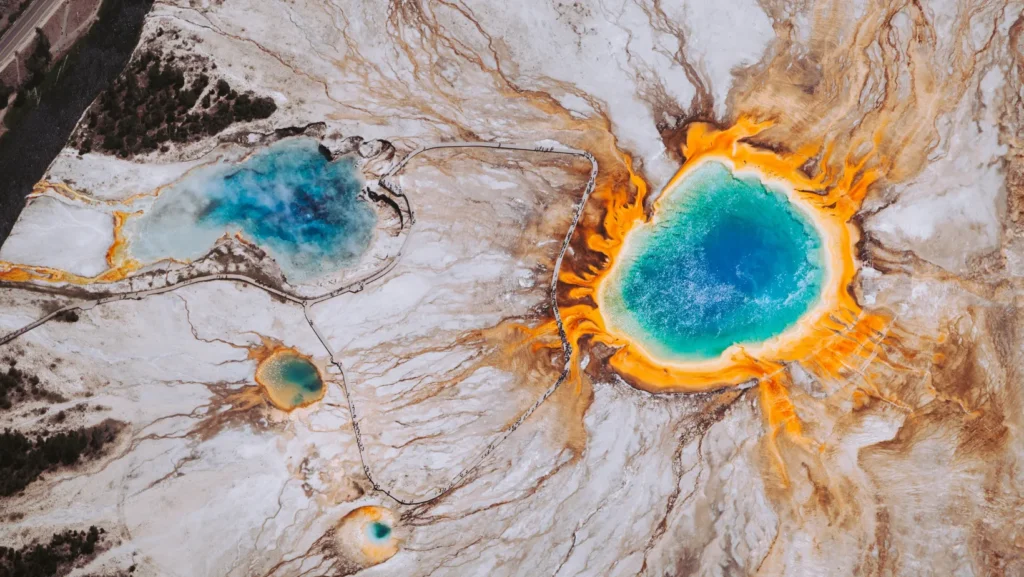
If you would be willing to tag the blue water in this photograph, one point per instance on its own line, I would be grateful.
(727, 261)
(303, 210)
(378, 532)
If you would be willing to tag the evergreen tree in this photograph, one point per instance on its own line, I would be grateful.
(39, 60)
(5, 94)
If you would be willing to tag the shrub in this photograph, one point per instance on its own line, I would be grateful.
(153, 102)
(57, 556)
(263, 107)
(22, 459)
(71, 316)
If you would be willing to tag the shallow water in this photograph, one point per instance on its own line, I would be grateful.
(303, 210)
(290, 380)
(725, 261)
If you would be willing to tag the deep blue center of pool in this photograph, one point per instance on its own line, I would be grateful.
(378, 531)
(290, 200)
(725, 261)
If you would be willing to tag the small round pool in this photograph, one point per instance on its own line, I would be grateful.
(367, 536)
(290, 380)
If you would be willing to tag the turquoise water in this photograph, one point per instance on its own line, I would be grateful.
(726, 261)
(303, 376)
(378, 532)
(292, 380)
(303, 210)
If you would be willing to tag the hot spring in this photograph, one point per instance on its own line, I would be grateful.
(290, 380)
(367, 536)
(304, 210)
(725, 261)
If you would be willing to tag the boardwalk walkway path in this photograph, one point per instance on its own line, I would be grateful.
(308, 302)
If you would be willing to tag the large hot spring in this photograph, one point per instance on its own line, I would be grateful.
(726, 260)
(304, 210)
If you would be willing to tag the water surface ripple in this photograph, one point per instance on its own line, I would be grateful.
(725, 261)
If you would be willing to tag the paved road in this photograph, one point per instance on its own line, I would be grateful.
(308, 302)
(25, 27)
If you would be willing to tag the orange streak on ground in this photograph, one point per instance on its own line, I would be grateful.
(781, 416)
(44, 186)
(117, 253)
(120, 264)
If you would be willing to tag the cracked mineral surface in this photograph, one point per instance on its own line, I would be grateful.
(322, 288)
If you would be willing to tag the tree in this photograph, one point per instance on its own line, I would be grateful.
(42, 44)
(39, 60)
(263, 107)
(243, 107)
(59, 556)
(5, 95)
(21, 99)
(187, 98)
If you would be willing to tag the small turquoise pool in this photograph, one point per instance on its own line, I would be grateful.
(290, 380)
(305, 211)
(725, 261)
(378, 532)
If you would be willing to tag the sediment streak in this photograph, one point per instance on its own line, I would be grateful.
(308, 302)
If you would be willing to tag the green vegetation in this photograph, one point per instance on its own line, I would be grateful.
(67, 317)
(23, 460)
(152, 103)
(53, 558)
